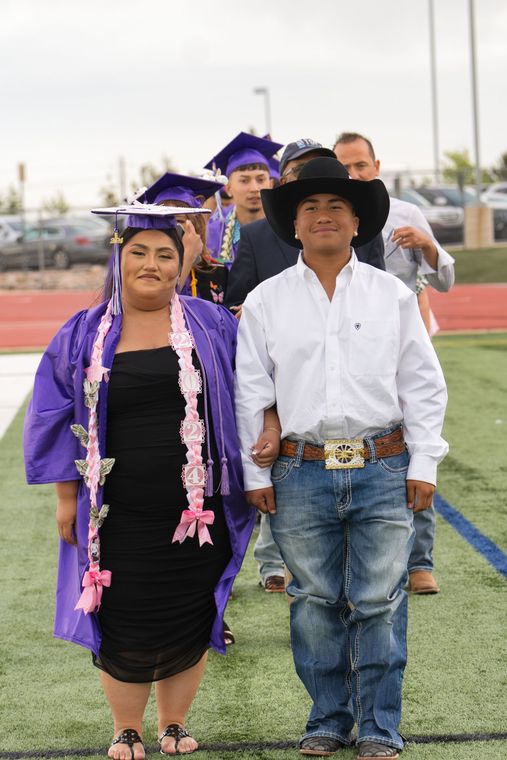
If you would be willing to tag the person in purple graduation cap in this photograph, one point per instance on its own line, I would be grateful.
(201, 276)
(274, 166)
(132, 417)
(274, 171)
(245, 162)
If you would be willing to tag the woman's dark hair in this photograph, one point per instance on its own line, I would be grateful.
(176, 235)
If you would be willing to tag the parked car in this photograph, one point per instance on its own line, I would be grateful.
(61, 243)
(446, 222)
(496, 195)
(445, 195)
(11, 228)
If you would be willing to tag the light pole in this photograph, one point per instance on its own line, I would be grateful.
(475, 114)
(267, 106)
(434, 94)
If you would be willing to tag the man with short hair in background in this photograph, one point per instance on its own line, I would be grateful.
(410, 248)
(245, 162)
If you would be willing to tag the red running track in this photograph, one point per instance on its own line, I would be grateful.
(29, 319)
(471, 307)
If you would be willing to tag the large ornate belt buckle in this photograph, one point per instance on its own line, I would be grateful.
(344, 453)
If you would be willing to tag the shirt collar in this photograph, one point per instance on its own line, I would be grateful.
(344, 277)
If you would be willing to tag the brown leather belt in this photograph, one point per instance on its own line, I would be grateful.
(385, 446)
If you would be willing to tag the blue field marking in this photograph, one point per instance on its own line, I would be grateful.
(481, 543)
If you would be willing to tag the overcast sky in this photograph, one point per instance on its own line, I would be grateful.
(83, 82)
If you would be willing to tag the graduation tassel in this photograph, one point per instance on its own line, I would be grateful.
(209, 478)
(224, 480)
(116, 241)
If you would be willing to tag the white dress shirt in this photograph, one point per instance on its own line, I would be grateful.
(405, 263)
(344, 368)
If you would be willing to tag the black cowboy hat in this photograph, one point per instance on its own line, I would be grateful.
(370, 199)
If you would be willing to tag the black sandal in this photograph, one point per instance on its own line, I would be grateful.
(129, 736)
(175, 732)
(228, 636)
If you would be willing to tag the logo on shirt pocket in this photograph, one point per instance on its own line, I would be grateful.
(372, 348)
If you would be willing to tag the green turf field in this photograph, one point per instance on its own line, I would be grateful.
(456, 679)
(478, 266)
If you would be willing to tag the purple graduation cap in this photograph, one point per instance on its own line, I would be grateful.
(274, 169)
(245, 149)
(143, 216)
(274, 163)
(148, 216)
(179, 187)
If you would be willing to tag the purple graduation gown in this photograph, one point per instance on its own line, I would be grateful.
(215, 235)
(51, 447)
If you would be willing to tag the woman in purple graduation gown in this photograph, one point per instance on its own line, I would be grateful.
(132, 418)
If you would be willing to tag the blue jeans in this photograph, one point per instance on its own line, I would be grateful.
(266, 552)
(346, 535)
(421, 556)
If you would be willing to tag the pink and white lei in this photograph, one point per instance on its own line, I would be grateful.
(94, 469)
(192, 433)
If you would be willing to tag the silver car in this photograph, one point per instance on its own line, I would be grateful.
(57, 243)
(450, 195)
(446, 222)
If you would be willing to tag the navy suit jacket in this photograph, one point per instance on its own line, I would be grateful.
(261, 254)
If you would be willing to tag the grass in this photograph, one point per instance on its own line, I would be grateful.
(480, 266)
(473, 476)
(455, 681)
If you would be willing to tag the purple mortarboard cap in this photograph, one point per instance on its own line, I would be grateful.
(144, 216)
(274, 163)
(179, 187)
(245, 149)
(274, 168)
(148, 216)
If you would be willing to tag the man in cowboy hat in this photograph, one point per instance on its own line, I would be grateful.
(262, 254)
(341, 349)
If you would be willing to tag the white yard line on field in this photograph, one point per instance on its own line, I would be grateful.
(16, 380)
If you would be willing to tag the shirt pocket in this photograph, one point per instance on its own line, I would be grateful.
(373, 347)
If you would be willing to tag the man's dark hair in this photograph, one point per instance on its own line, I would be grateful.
(349, 137)
(250, 167)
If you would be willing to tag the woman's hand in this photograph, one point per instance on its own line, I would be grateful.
(66, 510)
(266, 449)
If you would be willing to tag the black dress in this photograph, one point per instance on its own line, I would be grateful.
(156, 617)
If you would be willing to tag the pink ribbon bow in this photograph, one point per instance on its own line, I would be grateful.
(93, 581)
(192, 519)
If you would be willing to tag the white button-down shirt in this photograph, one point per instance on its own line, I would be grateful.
(405, 263)
(344, 368)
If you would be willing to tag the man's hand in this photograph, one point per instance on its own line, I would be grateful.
(237, 311)
(266, 448)
(66, 509)
(411, 237)
(419, 495)
(262, 499)
(192, 244)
